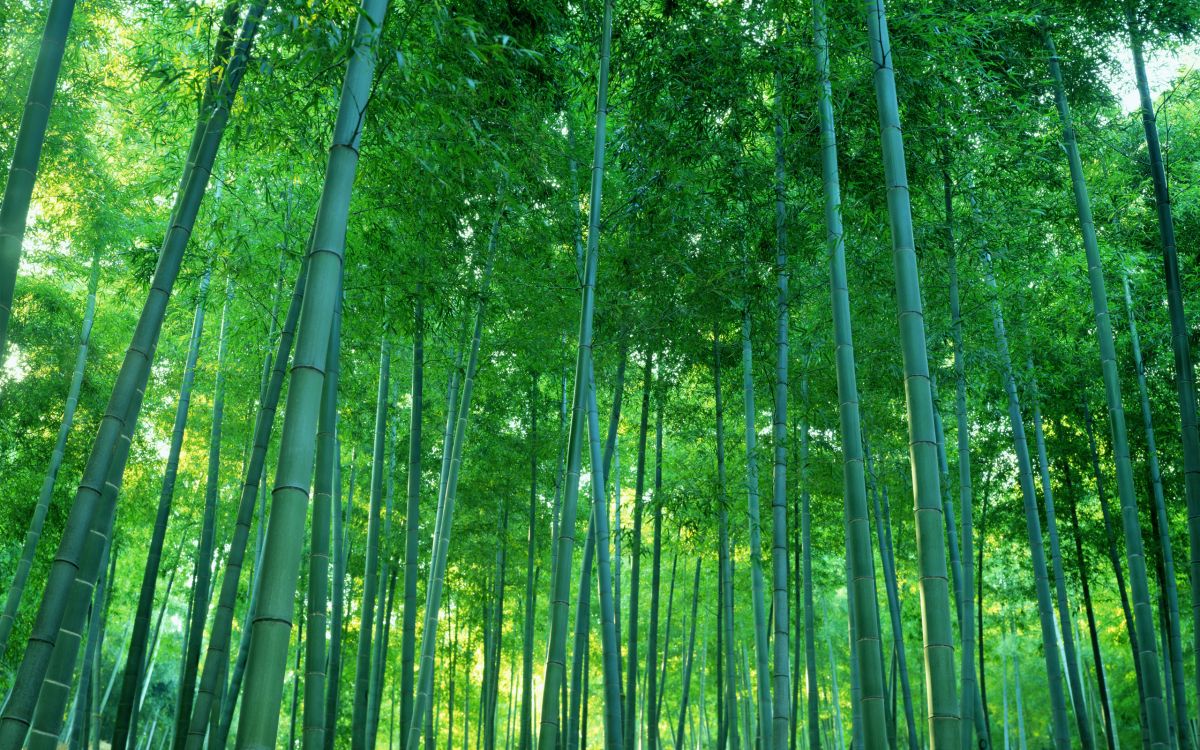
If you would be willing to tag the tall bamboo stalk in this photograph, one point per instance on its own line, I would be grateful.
(15, 590)
(324, 484)
(124, 403)
(863, 599)
(1033, 524)
(360, 721)
(631, 672)
(781, 676)
(970, 688)
(1157, 729)
(651, 710)
(725, 559)
(126, 721)
(217, 654)
(207, 541)
(444, 522)
(272, 621)
(1082, 722)
(1173, 642)
(548, 736)
(412, 516)
(941, 701)
(27, 154)
(1185, 377)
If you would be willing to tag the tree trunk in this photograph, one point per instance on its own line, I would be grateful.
(631, 672)
(272, 622)
(970, 689)
(1082, 722)
(1143, 613)
(104, 462)
(13, 600)
(217, 656)
(726, 577)
(931, 553)
(810, 648)
(1185, 378)
(1033, 524)
(360, 722)
(323, 515)
(27, 154)
(888, 560)
(445, 517)
(685, 688)
(204, 553)
(126, 720)
(1173, 640)
(761, 647)
(526, 729)
(412, 522)
(652, 690)
(781, 675)
(863, 599)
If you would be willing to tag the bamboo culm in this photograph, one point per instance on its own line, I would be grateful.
(941, 701)
(207, 541)
(360, 720)
(1155, 706)
(13, 600)
(272, 622)
(445, 519)
(548, 736)
(217, 653)
(124, 403)
(864, 607)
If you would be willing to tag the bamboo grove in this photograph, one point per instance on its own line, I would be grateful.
(500, 375)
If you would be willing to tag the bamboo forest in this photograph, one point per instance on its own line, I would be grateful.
(615, 374)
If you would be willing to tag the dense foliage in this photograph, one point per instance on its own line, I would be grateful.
(744, 435)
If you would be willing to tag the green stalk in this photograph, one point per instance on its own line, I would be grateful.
(124, 403)
(382, 600)
(333, 682)
(52, 701)
(941, 700)
(204, 553)
(761, 647)
(272, 623)
(526, 729)
(548, 737)
(1085, 586)
(360, 719)
(781, 676)
(970, 694)
(686, 678)
(631, 673)
(412, 533)
(1185, 378)
(445, 520)
(888, 559)
(871, 708)
(1082, 722)
(13, 600)
(1033, 525)
(126, 722)
(1174, 641)
(725, 560)
(1156, 713)
(651, 710)
(324, 483)
(810, 647)
(216, 656)
(27, 154)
